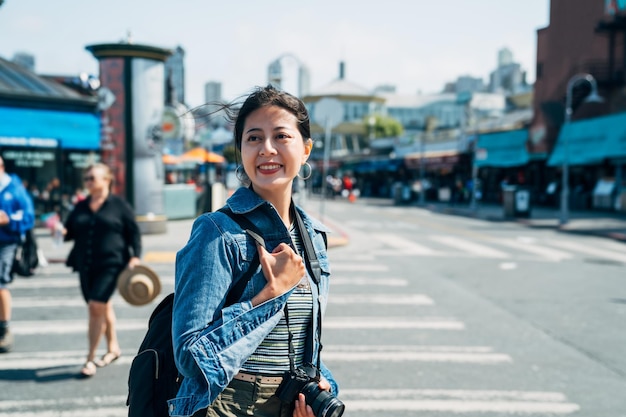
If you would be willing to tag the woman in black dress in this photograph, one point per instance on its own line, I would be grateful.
(106, 240)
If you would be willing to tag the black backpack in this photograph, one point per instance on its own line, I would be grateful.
(26, 260)
(153, 378)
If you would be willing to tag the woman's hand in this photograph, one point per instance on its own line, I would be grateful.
(133, 262)
(283, 269)
(301, 408)
(4, 218)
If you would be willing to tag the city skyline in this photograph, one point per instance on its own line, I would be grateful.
(415, 47)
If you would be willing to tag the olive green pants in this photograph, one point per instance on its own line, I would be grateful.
(241, 398)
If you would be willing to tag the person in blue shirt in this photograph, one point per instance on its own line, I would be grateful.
(233, 358)
(17, 216)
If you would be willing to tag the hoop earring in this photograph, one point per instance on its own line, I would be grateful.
(308, 169)
(240, 173)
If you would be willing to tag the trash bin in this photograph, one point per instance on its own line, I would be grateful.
(401, 193)
(516, 201)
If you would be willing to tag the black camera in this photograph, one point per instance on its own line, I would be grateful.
(305, 380)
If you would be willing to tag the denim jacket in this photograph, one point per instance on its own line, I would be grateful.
(211, 342)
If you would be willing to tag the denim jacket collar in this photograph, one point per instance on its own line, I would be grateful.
(245, 200)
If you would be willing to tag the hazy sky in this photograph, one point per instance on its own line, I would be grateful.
(416, 45)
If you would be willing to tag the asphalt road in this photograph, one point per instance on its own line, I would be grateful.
(429, 315)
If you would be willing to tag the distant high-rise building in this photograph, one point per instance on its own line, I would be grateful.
(508, 78)
(505, 57)
(467, 84)
(175, 71)
(25, 60)
(212, 91)
(212, 114)
(288, 73)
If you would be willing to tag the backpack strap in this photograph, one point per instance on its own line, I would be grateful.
(237, 291)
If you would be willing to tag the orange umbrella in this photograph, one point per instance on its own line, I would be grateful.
(201, 155)
(170, 159)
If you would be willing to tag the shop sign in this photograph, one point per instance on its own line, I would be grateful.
(29, 142)
(35, 159)
(82, 160)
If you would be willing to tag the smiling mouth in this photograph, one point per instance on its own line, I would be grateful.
(269, 167)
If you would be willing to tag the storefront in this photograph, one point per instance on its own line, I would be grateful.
(595, 152)
(49, 133)
(48, 150)
(501, 159)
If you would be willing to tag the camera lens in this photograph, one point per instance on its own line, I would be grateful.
(323, 403)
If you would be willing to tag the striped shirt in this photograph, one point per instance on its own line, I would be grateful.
(272, 355)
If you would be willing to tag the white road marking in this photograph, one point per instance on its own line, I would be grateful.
(74, 300)
(28, 327)
(403, 246)
(450, 354)
(50, 363)
(390, 299)
(530, 247)
(471, 247)
(94, 406)
(39, 281)
(392, 323)
(369, 282)
(457, 401)
(589, 250)
(451, 401)
(360, 267)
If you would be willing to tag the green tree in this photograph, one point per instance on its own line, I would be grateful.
(384, 127)
(230, 153)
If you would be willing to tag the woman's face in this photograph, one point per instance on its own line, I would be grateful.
(273, 150)
(95, 180)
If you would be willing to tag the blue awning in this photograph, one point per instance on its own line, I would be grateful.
(378, 165)
(71, 130)
(591, 141)
(502, 149)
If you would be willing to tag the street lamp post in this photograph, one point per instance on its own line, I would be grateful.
(429, 125)
(591, 97)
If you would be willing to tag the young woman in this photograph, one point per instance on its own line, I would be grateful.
(106, 240)
(234, 358)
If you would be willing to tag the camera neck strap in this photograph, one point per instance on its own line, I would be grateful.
(314, 269)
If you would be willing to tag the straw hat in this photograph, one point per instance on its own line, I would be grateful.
(139, 286)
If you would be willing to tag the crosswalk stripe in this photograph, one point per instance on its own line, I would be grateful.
(451, 354)
(50, 366)
(359, 267)
(353, 323)
(48, 363)
(369, 282)
(27, 327)
(589, 250)
(457, 401)
(39, 327)
(543, 251)
(39, 281)
(402, 245)
(471, 247)
(390, 299)
(72, 300)
(93, 406)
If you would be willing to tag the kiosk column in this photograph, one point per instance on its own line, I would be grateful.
(133, 76)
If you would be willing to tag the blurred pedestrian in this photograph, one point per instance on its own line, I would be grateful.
(17, 216)
(106, 240)
(234, 358)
